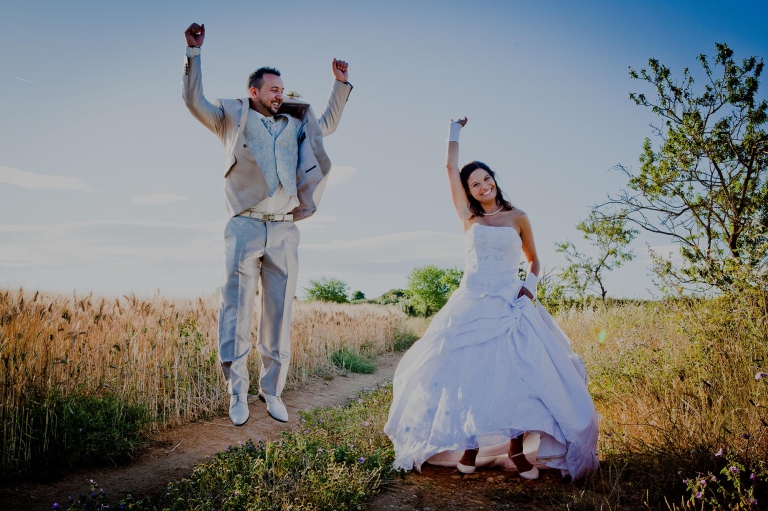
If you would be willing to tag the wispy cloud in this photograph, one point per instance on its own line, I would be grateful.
(157, 198)
(26, 179)
(316, 221)
(341, 174)
(108, 243)
(25, 80)
(397, 247)
(212, 227)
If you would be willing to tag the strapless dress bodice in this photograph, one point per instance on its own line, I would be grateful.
(492, 256)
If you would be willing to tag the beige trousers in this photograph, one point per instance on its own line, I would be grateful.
(256, 253)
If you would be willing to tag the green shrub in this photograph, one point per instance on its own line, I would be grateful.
(404, 340)
(79, 429)
(354, 362)
(327, 290)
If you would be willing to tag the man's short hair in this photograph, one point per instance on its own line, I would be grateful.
(257, 77)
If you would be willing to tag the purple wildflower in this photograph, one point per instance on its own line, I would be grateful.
(753, 502)
(760, 375)
(703, 482)
(719, 453)
(698, 495)
(734, 469)
(361, 460)
(752, 476)
(56, 505)
(228, 447)
(685, 481)
(366, 424)
(746, 436)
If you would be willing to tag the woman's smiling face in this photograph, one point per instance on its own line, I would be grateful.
(482, 186)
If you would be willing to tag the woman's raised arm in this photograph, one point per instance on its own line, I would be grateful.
(459, 196)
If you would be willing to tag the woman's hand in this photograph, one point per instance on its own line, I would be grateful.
(524, 291)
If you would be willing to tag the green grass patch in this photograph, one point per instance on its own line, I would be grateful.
(404, 340)
(78, 429)
(354, 362)
(335, 461)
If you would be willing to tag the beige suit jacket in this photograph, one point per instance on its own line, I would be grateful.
(244, 183)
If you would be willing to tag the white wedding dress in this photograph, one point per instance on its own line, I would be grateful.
(490, 367)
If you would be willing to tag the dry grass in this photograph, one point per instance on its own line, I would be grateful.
(156, 353)
(675, 382)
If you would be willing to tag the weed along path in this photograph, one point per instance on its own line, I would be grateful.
(181, 448)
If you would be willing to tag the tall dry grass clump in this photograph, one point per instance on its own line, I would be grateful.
(676, 382)
(76, 371)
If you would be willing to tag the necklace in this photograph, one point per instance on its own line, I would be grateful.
(491, 214)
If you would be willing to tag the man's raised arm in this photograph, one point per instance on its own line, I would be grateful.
(339, 95)
(212, 116)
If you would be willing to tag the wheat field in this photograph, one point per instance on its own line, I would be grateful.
(153, 352)
(675, 381)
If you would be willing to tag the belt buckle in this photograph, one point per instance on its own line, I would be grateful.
(269, 217)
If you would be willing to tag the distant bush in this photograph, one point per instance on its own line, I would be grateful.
(327, 290)
(430, 287)
(358, 295)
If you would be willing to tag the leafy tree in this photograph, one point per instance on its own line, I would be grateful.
(393, 296)
(550, 291)
(705, 185)
(430, 287)
(327, 290)
(610, 236)
(358, 295)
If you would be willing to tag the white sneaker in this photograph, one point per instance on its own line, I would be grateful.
(275, 407)
(238, 409)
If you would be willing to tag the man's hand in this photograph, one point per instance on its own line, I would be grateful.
(524, 291)
(463, 121)
(339, 68)
(195, 35)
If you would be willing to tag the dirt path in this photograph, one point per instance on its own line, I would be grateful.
(189, 445)
(443, 489)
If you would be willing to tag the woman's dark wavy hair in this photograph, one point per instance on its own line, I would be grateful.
(474, 206)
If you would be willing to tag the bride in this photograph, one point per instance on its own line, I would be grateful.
(493, 369)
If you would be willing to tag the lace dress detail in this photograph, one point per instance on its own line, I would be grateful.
(492, 366)
(491, 257)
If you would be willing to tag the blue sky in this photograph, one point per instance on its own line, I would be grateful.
(107, 184)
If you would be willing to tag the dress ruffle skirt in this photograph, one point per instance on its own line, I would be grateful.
(490, 367)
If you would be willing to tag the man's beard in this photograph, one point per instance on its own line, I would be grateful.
(268, 107)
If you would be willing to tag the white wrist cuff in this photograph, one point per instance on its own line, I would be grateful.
(453, 134)
(530, 283)
(193, 51)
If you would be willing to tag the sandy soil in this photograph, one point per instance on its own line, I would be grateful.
(443, 489)
(180, 449)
